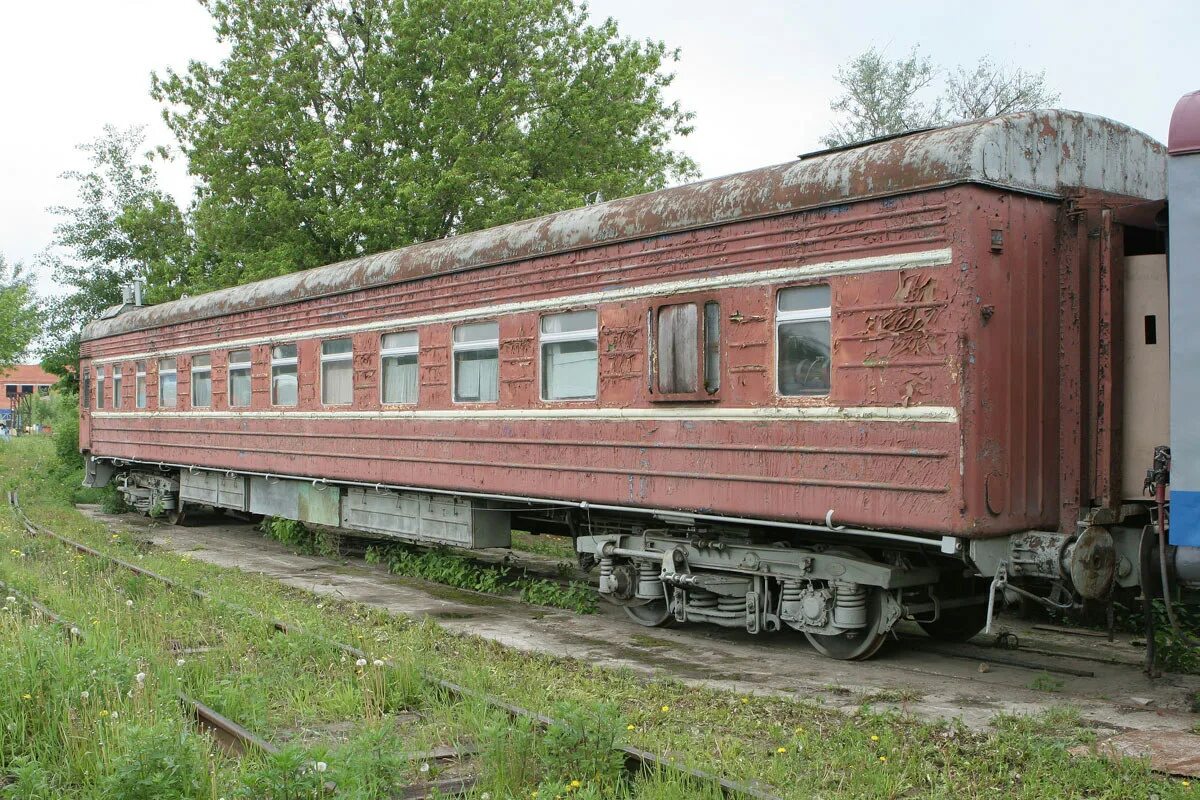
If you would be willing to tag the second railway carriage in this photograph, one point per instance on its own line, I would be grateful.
(822, 395)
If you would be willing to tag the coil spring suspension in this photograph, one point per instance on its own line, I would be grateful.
(649, 584)
(698, 598)
(790, 591)
(850, 604)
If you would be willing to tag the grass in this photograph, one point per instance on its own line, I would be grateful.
(452, 569)
(56, 743)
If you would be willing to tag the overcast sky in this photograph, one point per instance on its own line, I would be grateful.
(758, 73)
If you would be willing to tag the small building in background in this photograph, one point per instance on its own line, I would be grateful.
(19, 382)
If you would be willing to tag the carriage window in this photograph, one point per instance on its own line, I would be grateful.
(398, 354)
(139, 385)
(712, 347)
(337, 372)
(99, 387)
(283, 375)
(166, 383)
(678, 367)
(239, 378)
(477, 362)
(569, 356)
(803, 340)
(201, 381)
(116, 386)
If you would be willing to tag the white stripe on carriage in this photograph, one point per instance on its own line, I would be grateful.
(768, 414)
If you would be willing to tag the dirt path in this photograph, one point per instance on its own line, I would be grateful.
(1117, 698)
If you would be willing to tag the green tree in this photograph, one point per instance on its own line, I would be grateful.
(20, 314)
(122, 226)
(882, 97)
(341, 127)
(989, 89)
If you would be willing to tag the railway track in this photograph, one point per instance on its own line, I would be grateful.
(239, 739)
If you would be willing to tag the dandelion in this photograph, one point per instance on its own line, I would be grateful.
(874, 738)
(11, 599)
(27, 696)
(140, 677)
(631, 727)
(129, 604)
(179, 662)
(485, 796)
(104, 712)
(799, 731)
(322, 766)
(424, 768)
(883, 759)
(115, 715)
(745, 700)
(362, 662)
(74, 631)
(780, 750)
(84, 695)
(377, 662)
(665, 709)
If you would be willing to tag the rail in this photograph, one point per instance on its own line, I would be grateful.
(635, 759)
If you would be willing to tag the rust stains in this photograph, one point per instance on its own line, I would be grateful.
(1003, 151)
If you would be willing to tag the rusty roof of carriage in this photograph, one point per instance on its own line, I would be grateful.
(1050, 153)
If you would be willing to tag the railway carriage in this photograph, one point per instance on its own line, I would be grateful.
(864, 385)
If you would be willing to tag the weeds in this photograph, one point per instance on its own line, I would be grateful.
(460, 572)
(300, 537)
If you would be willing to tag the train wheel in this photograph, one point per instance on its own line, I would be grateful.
(655, 614)
(957, 624)
(854, 645)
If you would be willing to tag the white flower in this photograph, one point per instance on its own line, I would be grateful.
(140, 677)
(485, 796)
(114, 715)
(129, 603)
(362, 662)
(179, 662)
(322, 766)
(11, 599)
(74, 631)
(84, 695)
(425, 767)
(378, 662)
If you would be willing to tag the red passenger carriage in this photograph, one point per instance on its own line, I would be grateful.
(811, 395)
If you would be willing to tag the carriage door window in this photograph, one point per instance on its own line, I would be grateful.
(569, 356)
(337, 372)
(201, 381)
(477, 362)
(239, 378)
(99, 387)
(139, 385)
(678, 364)
(166, 383)
(687, 356)
(283, 375)
(803, 341)
(116, 386)
(398, 352)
